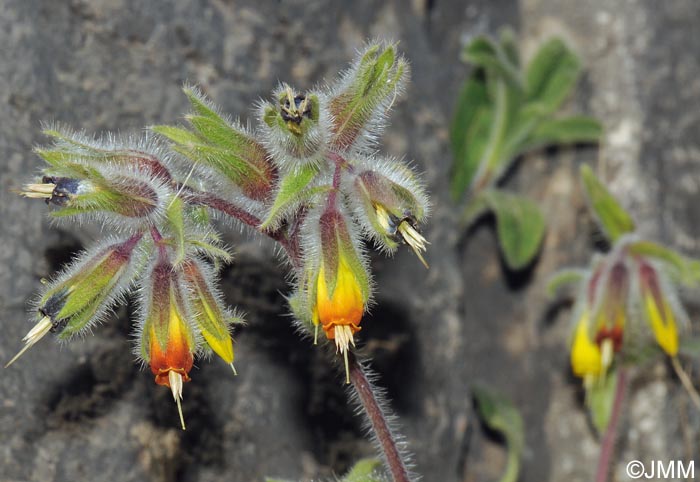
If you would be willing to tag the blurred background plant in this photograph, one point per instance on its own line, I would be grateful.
(504, 110)
(365, 470)
(500, 415)
(626, 314)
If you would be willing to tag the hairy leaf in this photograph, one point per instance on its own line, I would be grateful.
(552, 74)
(292, 190)
(564, 277)
(611, 216)
(569, 130)
(519, 224)
(499, 414)
(600, 397)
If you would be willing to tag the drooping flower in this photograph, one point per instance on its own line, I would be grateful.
(658, 309)
(586, 359)
(208, 312)
(600, 322)
(338, 289)
(168, 343)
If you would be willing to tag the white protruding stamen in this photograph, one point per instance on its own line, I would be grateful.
(343, 340)
(415, 240)
(176, 381)
(35, 334)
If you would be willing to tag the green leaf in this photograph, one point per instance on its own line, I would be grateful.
(491, 56)
(685, 269)
(365, 470)
(491, 157)
(213, 251)
(478, 115)
(475, 208)
(551, 74)
(564, 277)
(178, 135)
(611, 216)
(200, 104)
(468, 132)
(293, 190)
(520, 226)
(570, 130)
(509, 45)
(499, 414)
(600, 397)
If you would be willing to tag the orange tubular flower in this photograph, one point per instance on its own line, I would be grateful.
(340, 310)
(170, 342)
(176, 359)
(341, 290)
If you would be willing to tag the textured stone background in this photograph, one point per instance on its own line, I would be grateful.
(85, 411)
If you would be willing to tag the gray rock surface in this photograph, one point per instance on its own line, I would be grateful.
(84, 411)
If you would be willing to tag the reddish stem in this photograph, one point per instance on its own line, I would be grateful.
(607, 448)
(158, 240)
(290, 244)
(222, 205)
(339, 163)
(377, 418)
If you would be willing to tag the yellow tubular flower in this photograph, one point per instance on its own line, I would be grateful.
(340, 312)
(663, 326)
(586, 357)
(660, 315)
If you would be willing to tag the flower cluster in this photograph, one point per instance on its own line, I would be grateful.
(626, 298)
(309, 177)
(627, 305)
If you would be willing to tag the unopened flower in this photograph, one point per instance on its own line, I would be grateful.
(210, 316)
(296, 129)
(658, 309)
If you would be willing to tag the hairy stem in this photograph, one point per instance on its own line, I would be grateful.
(290, 245)
(607, 447)
(364, 389)
(339, 163)
(377, 419)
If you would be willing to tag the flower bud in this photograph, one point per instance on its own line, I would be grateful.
(366, 92)
(223, 146)
(612, 312)
(292, 128)
(658, 309)
(207, 312)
